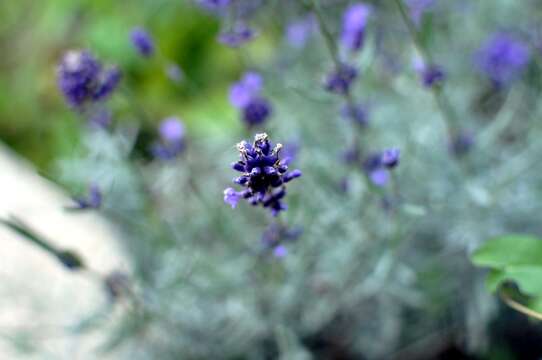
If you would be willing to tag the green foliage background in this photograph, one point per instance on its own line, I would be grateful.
(380, 279)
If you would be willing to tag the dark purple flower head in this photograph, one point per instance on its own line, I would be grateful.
(461, 143)
(171, 144)
(502, 58)
(78, 75)
(142, 41)
(377, 166)
(430, 75)
(236, 36)
(354, 22)
(339, 80)
(108, 81)
(245, 95)
(82, 79)
(357, 113)
(417, 8)
(263, 177)
(299, 31)
(93, 200)
(390, 157)
(256, 111)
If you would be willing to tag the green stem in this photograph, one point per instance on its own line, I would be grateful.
(441, 100)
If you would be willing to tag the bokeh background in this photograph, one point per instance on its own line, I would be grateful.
(378, 272)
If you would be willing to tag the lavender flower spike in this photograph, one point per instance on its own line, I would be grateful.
(172, 143)
(142, 41)
(340, 80)
(82, 79)
(502, 58)
(354, 23)
(77, 75)
(246, 96)
(263, 176)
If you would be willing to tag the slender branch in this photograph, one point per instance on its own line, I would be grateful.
(328, 37)
(441, 100)
(518, 306)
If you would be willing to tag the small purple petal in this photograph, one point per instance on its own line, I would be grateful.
(142, 41)
(390, 157)
(171, 130)
(245, 89)
(354, 23)
(379, 177)
(280, 251)
(231, 197)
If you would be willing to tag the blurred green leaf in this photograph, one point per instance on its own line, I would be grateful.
(509, 250)
(516, 258)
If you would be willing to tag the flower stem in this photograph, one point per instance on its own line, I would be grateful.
(441, 100)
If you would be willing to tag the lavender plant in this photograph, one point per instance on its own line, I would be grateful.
(372, 254)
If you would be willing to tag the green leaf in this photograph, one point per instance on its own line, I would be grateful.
(509, 250)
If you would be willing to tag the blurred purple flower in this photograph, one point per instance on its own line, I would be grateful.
(77, 75)
(354, 22)
(502, 58)
(108, 81)
(237, 35)
(82, 80)
(390, 157)
(299, 31)
(171, 144)
(216, 6)
(171, 130)
(357, 113)
(245, 89)
(245, 95)
(377, 166)
(351, 155)
(280, 251)
(339, 80)
(142, 41)
(93, 200)
(462, 143)
(275, 236)
(379, 177)
(430, 75)
(256, 111)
